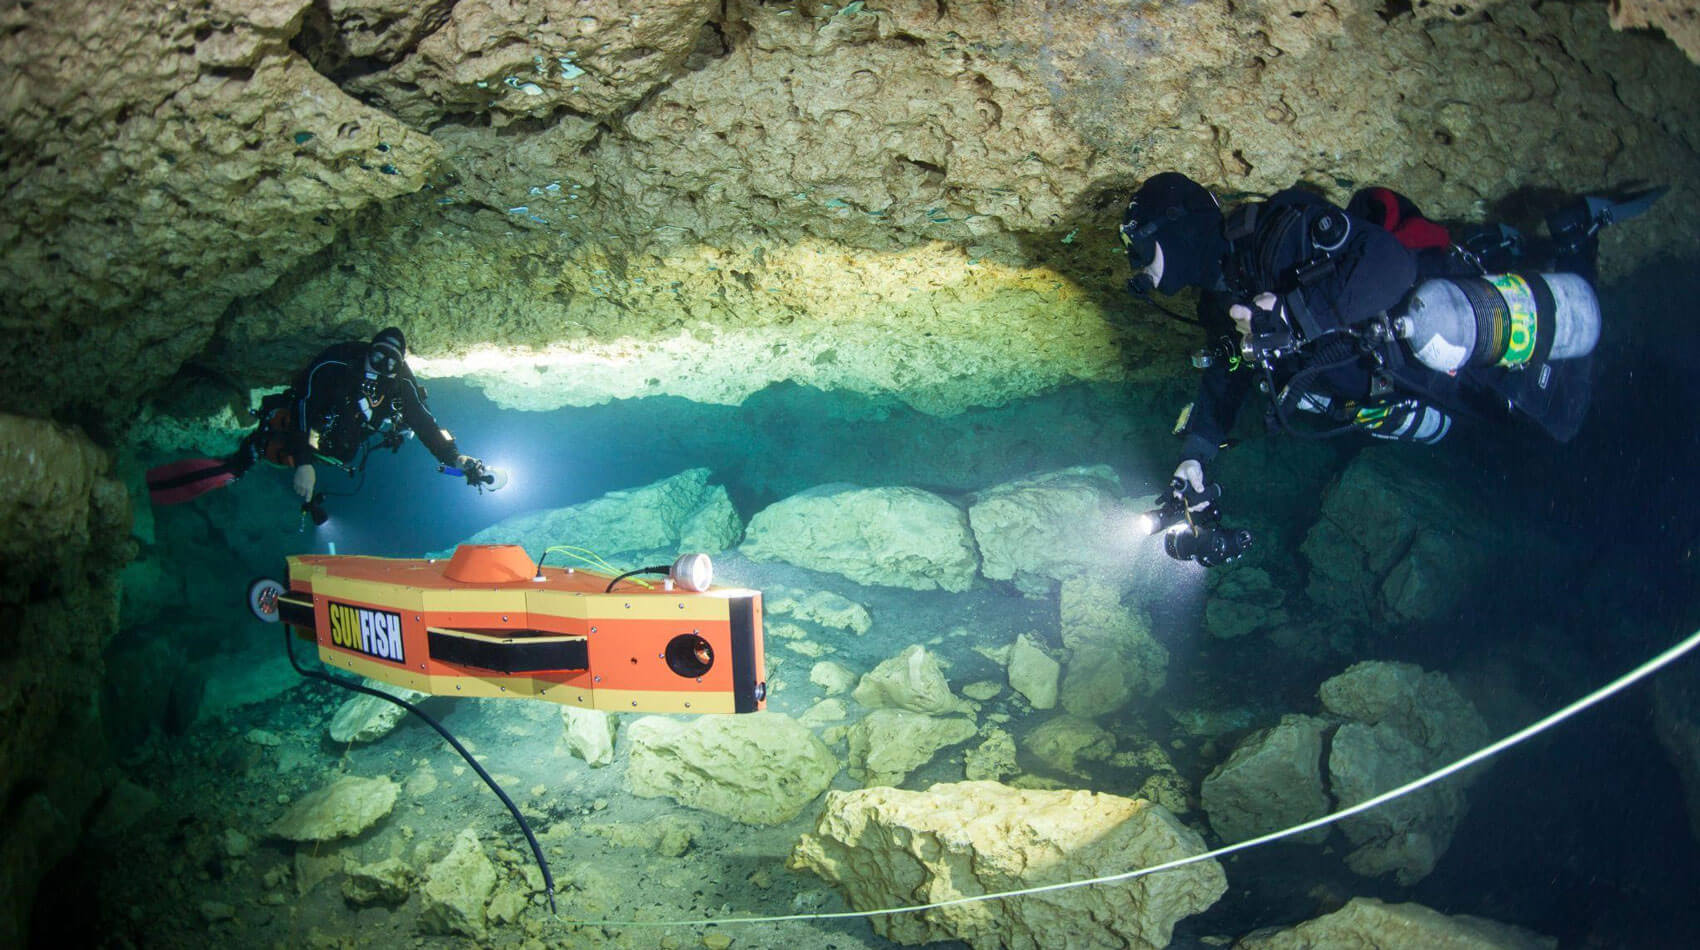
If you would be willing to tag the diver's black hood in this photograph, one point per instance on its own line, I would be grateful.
(1178, 214)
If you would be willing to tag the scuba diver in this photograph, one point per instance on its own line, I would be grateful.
(1363, 319)
(351, 395)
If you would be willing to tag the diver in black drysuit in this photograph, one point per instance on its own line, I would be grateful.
(350, 394)
(1290, 292)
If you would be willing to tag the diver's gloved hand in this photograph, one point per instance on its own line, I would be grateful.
(1260, 315)
(469, 466)
(1187, 486)
(305, 479)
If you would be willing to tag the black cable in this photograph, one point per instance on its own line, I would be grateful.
(359, 469)
(536, 850)
(1165, 311)
(642, 570)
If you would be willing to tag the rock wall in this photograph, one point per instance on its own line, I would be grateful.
(56, 615)
(160, 160)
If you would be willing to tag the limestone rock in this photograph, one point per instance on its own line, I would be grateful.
(655, 517)
(896, 537)
(1273, 780)
(55, 494)
(1424, 707)
(1242, 601)
(312, 867)
(832, 677)
(888, 744)
(1375, 554)
(238, 160)
(1677, 19)
(758, 768)
(456, 890)
(1033, 673)
(1038, 531)
(825, 712)
(713, 527)
(669, 837)
(368, 718)
(601, 59)
(1064, 742)
(982, 691)
(1403, 837)
(389, 881)
(821, 607)
(1367, 922)
(1112, 655)
(911, 680)
(590, 734)
(992, 760)
(342, 809)
(507, 904)
(884, 847)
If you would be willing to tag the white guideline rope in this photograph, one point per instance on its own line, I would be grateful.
(1616, 686)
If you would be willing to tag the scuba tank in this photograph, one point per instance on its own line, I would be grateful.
(1508, 320)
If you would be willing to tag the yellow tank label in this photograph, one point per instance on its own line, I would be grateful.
(1520, 317)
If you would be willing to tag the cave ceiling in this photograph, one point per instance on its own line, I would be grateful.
(570, 202)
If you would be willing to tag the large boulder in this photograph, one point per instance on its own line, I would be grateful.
(1367, 922)
(757, 768)
(1388, 723)
(896, 537)
(1403, 837)
(457, 889)
(1405, 723)
(1113, 658)
(1241, 601)
(911, 680)
(367, 718)
(885, 847)
(1038, 531)
(1390, 546)
(683, 512)
(1271, 781)
(1033, 672)
(1423, 706)
(589, 734)
(342, 809)
(888, 744)
(1064, 743)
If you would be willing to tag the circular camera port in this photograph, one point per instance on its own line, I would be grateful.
(689, 655)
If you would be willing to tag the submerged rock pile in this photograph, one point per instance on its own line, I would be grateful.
(1390, 723)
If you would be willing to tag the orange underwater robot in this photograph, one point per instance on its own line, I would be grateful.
(491, 622)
